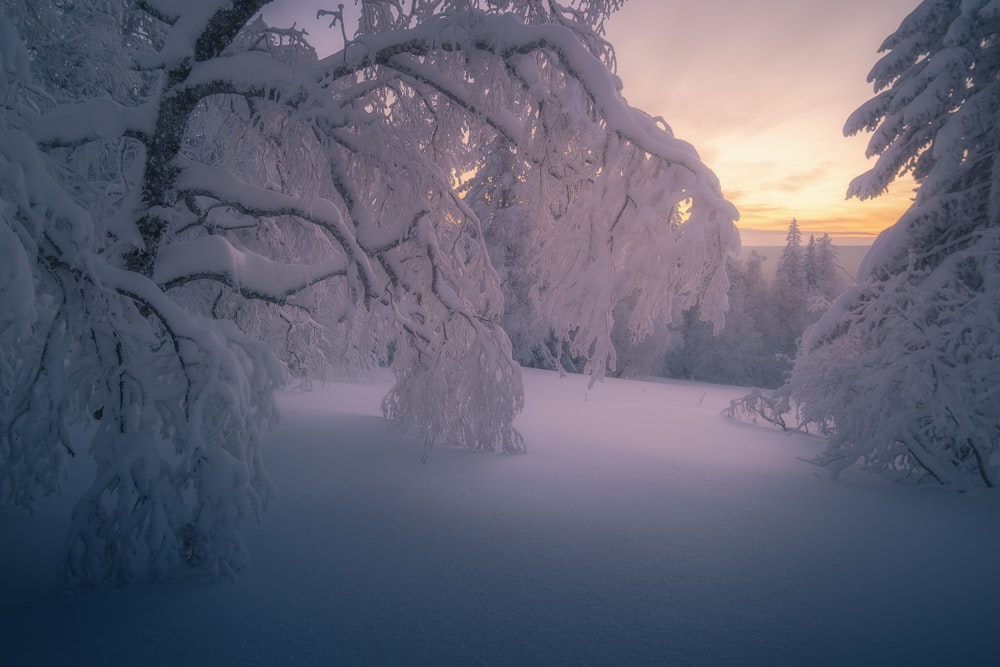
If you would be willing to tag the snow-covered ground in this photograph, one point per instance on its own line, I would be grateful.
(641, 528)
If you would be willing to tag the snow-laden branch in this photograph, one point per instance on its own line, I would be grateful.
(509, 38)
(224, 186)
(254, 276)
(100, 118)
(248, 71)
(200, 29)
(501, 120)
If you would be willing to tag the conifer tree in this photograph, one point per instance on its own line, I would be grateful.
(790, 289)
(902, 371)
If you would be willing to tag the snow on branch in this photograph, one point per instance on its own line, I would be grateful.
(501, 120)
(200, 29)
(249, 70)
(223, 185)
(255, 276)
(100, 118)
(510, 38)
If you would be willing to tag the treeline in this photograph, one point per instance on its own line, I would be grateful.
(756, 346)
(766, 318)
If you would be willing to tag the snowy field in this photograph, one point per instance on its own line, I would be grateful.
(641, 528)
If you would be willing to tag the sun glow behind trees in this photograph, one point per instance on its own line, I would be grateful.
(762, 95)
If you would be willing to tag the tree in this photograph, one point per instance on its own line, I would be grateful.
(902, 371)
(809, 264)
(791, 290)
(222, 207)
(739, 354)
(503, 194)
(830, 281)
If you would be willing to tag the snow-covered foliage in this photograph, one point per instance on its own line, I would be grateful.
(790, 288)
(766, 319)
(211, 205)
(96, 358)
(903, 370)
(595, 233)
(912, 386)
(747, 351)
(825, 278)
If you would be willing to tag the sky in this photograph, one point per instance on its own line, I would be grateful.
(761, 88)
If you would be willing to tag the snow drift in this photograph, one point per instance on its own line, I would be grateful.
(641, 528)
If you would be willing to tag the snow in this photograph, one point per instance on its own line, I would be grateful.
(192, 17)
(216, 257)
(99, 118)
(17, 293)
(241, 71)
(640, 528)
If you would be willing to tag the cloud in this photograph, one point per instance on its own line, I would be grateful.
(761, 89)
(799, 179)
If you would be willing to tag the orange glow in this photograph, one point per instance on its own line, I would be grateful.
(762, 90)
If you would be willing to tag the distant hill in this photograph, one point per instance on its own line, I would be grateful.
(849, 257)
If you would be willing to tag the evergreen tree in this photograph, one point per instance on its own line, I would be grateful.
(747, 351)
(830, 278)
(791, 290)
(810, 267)
(902, 370)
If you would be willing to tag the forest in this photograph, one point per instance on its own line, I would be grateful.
(196, 211)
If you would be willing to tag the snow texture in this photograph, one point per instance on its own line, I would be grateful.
(200, 200)
(643, 529)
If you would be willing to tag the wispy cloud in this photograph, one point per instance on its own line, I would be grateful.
(761, 89)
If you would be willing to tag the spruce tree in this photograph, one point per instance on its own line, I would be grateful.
(902, 371)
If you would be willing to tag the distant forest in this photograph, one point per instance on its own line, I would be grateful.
(848, 256)
(775, 293)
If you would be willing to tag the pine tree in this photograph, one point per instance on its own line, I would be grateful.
(903, 369)
(747, 351)
(791, 290)
(830, 279)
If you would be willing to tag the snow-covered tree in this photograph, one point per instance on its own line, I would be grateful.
(608, 244)
(830, 276)
(903, 370)
(739, 354)
(505, 194)
(824, 279)
(791, 290)
(169, 405)
(222, 201)
(809, 264)
(523, 209)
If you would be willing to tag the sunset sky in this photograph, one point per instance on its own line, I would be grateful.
(762, 89)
